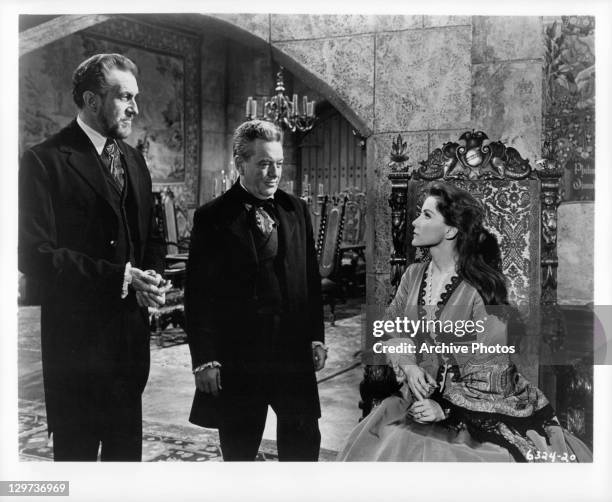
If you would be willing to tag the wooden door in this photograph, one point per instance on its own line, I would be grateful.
(331, 159)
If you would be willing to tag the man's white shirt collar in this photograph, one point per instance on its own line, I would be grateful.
(97, 139)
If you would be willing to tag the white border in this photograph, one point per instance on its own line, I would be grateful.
(324, 481)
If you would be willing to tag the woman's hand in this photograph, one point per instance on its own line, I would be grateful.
(426, 411)
(420, 383)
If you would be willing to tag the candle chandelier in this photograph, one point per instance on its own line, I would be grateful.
(281, 110)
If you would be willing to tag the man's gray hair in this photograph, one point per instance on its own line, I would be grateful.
(248, 132)
(90, 75)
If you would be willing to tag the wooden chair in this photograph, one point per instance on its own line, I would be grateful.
(352, 249)
(521, 210)
(177, 247)
(328, 250)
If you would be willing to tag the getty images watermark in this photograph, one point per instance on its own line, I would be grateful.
(560, 334)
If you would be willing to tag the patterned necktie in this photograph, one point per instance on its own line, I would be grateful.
(264, 214)
(112, 161)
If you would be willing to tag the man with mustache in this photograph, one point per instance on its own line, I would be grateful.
(253, 308)
(87, 235)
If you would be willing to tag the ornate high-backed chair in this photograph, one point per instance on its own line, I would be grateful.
(352, 248)
(521, 210)
(331, 228)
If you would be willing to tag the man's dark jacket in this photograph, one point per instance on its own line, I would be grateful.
(68, 231)
(221, 304)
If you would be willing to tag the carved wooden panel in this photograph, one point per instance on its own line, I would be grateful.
(520, 210)
(512, 216)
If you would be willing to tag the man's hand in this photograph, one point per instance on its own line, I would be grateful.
(146, 281)
(209, 381)
(319, 355)
(146, 299)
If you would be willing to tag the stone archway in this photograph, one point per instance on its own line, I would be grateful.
(352, 101)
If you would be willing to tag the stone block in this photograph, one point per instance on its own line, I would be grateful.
(287, 27)
(440, 21)
(379, 191)
(575, 246)
(398, 23)
(346, 65)
(423, 79)
(503, 38)
(507, 104)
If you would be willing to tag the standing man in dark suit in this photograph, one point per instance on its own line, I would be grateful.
(87, 234)
(253, 308)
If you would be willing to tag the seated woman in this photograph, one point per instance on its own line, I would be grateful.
(458, 406)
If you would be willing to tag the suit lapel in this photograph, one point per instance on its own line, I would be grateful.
(238, 225)
(130, 165)
(83, 159)
(288, 223)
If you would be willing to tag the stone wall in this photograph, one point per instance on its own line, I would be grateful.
(576, 247)
(429, 78)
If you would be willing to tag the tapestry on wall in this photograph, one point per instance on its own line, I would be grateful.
(166, 130)
(569, 102)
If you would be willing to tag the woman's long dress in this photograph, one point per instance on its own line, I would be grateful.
(493, 413)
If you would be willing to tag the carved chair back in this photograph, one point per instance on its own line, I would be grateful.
(354, 218)
(168, 214)
(331, 228)
(521, 210)
(516, 198)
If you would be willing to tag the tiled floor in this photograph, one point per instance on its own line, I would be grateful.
(168, 436)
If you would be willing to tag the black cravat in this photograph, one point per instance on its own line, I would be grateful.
(112, 161)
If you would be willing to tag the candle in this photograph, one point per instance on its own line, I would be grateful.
(248, 106)
(215, 189)
(311, 109)
(254, 108)
(320, 192)
(295, 105)
(304, 105)
(305, 179)
(290, 186)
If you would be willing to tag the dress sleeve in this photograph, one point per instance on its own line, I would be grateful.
(489, 382)
(397, 308)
